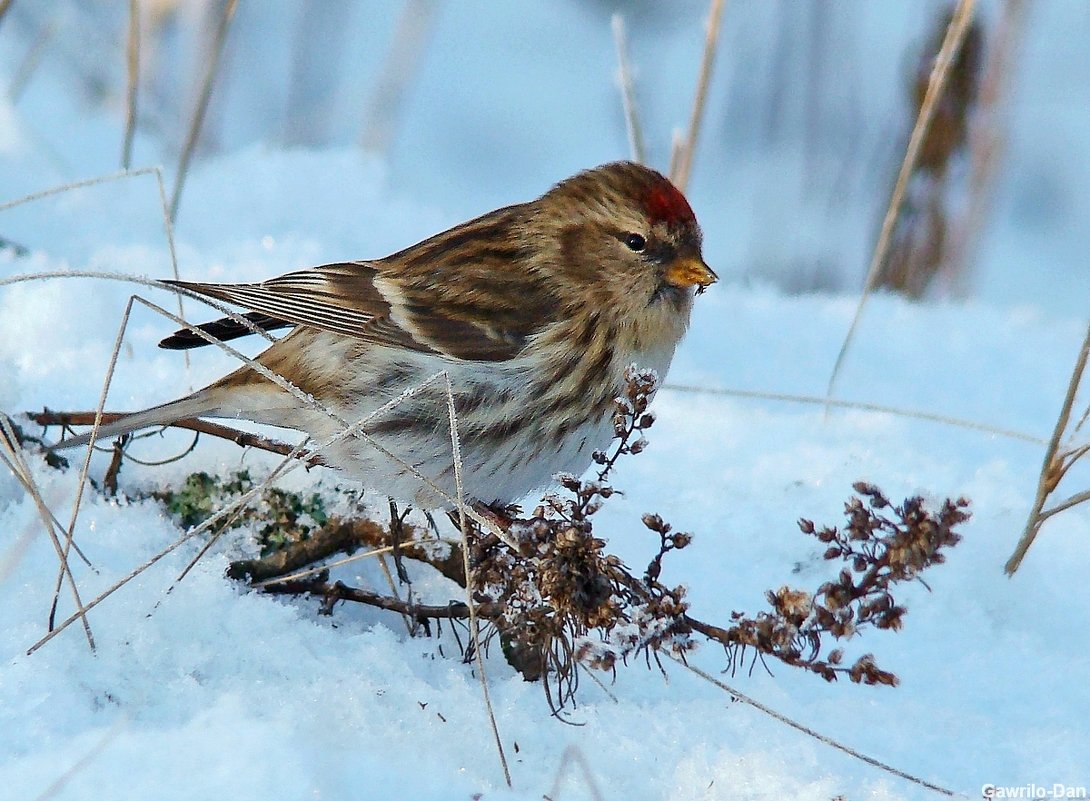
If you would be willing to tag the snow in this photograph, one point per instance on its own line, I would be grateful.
(207, 690)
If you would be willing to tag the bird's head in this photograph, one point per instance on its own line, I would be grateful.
(623, 237)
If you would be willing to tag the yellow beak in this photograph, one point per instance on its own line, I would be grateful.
(688, 271)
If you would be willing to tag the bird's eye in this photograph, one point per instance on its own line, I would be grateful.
(635, 243)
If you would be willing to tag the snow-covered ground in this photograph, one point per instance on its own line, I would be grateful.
(208, 691)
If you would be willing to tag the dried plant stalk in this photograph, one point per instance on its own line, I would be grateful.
(955, 35)
(679, 172)
(406, 52)
(197, 121)
(132, 66)
(243, 439)
(636, 146)
(919, 242)
(987, 140)
(30, 63)
(1056, 464)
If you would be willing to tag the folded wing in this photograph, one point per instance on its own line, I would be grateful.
(465, 294)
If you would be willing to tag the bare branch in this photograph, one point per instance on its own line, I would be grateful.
(132, 66)
(680, 175)
(244, 439)
(955, 35)
(1052, 467)
(636, 146)
(197, 121)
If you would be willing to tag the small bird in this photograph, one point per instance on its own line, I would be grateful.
(533, 311)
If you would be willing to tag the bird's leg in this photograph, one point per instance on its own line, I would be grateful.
(502, 514)
(499, 515)
(397, 532)
(431, 523)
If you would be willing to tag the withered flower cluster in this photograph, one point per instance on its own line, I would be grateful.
(560, 604)
(565, 603)
(882, 545)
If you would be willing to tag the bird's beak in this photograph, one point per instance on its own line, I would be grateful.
(690, 271)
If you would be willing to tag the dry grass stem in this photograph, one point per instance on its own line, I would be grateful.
(312, 571)
(402, 63)
(244, 439)
(197, 121)
(955, 35)
(474, 624)
(81, 484)
(679, 172)
(815, 400)
(677, 145)
(740, 696)
(30, 63)
(636, 146)
(12, 456)
(59, 190)
(298, 455)
(920, 241)
(103, 179)
(61, 781)
(285, 467)
(1056, 464)
(394, 593)
(572, 759)
(132, 74)
(987, 137)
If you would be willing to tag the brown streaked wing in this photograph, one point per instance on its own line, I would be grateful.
(465, 293)
(341, 298)
(472, 292)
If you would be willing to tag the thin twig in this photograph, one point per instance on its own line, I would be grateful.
(5, 5)
(19, 466)
(85, 468)
(810, 732)
(955, 35)
(987, 139)
(680, 177)
(311, 571)
(117, 176)
(30, 63)
(677, 147)
(474, 626)
(1074, 500)
(11, 455)
(108, 737)
(244, 439)
(628, 92)
(573, 756)
(58, 190)
(384, 566)
(401, 65)
(1046, 482)
(816, 400)
(285, 467)
(132, 67)
(197, 121)
(342, 592)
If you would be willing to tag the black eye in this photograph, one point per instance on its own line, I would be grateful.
(635, 243)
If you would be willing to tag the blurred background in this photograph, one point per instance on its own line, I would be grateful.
(468, 105)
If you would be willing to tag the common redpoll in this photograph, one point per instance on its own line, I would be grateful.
(533, 311)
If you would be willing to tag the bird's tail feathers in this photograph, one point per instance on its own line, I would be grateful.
(205, 402)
